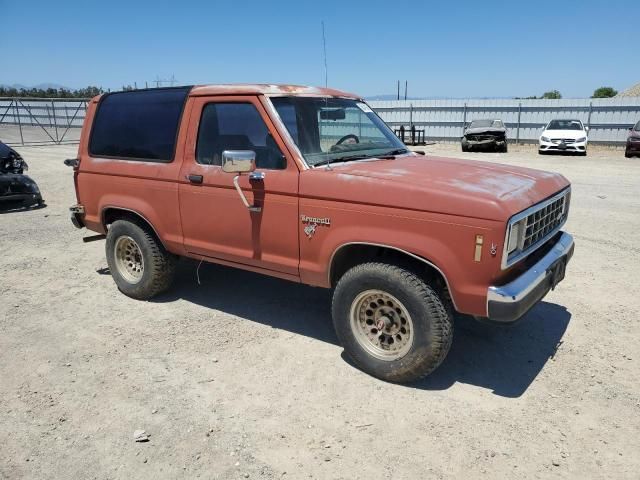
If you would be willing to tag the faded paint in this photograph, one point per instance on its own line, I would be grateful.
(268, 89)
(433, 208)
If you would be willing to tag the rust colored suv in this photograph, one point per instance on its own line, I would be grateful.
(310, 185)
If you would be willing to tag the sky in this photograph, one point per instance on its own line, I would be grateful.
(442, 49)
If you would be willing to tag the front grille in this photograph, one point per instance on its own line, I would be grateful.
(563, 140)
(542, 222)
(484, 137)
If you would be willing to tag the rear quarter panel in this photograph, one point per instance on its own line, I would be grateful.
(147, 188)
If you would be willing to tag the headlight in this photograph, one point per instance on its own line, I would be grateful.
(516, 232)
(545, 139)
(581, 139)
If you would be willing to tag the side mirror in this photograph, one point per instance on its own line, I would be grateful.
(238, 161)
(586, 129)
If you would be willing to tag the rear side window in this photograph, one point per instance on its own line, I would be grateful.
(236, 126)
(139, 125)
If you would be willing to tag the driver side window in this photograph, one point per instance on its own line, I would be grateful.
(236, 126)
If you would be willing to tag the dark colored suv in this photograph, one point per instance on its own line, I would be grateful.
(633, 142)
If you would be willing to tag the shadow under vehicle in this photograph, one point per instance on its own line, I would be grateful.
(17, 190)
(485, 135)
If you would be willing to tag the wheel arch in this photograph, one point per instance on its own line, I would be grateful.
(350, 254)
(111, 213)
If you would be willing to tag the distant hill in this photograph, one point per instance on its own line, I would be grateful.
(40, 86)
(630, 92)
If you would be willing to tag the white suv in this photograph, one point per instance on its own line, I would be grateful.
(564, 136)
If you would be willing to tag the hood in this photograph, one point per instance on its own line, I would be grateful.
(480, 130)
(573, 134)
(435, 184)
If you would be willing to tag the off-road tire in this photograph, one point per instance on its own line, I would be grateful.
(159, 265)
(432, 325)
(505, 148)
(465, 148)
(627, 155)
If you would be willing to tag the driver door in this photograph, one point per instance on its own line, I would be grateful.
(215, 222)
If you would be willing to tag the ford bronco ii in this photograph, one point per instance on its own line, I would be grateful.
(310, 185)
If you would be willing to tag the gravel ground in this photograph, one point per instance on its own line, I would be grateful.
(241, 376)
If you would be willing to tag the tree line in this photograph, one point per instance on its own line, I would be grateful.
(91, 91)
(87, 92)
(602, 92)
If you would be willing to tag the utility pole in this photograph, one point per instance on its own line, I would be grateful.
(398, 89)
(405, 89)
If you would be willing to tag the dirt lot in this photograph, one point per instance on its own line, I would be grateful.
(241, 376)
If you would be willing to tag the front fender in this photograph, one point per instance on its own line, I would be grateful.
(447, 243)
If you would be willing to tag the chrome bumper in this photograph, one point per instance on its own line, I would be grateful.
(507, 303)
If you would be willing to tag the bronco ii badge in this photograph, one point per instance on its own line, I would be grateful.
(312, 224)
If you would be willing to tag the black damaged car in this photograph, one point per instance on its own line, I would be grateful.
(486, 135)
(16, 189)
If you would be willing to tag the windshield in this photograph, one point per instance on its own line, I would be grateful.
(486, 123)
(335, 129)
(565, 125)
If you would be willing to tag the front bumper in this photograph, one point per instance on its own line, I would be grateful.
(562, 147)
(489, 142)
(633, 147)
(508, 303)
(22, 199)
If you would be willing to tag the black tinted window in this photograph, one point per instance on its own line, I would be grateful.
(138, 125)
(236, 126)
(637, 128)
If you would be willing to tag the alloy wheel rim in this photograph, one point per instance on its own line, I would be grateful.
(381, 325)
(129, 261)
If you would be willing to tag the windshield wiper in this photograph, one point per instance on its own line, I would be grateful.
(392, 153)
(347, 158)
(385, 156)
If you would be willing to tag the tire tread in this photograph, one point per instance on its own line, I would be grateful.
(442, 325)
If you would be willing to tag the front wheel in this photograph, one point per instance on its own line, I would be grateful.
(139, 264)
(390, 322)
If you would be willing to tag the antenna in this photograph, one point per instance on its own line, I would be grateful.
(324, 49)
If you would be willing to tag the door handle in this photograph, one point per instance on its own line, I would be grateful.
(194, 178)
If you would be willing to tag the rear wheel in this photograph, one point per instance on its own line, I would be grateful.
(627, 154)
(139, 264)
(390, 322)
